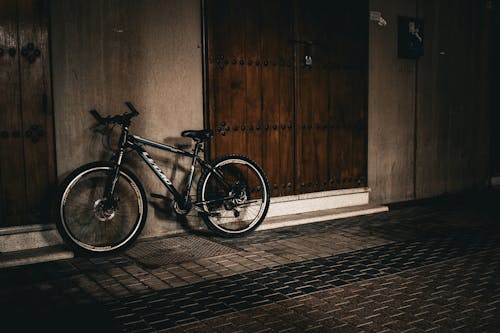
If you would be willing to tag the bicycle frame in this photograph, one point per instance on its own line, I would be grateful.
(136, 143)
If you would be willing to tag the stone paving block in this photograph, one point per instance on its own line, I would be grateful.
(422, 268)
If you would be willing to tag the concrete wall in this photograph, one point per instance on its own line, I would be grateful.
(106, 52)
(453, 118)
(391, 107)
(429, 119)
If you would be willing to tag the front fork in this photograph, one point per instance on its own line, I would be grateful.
(109, 190)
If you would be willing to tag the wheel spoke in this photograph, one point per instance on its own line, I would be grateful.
(235, 209)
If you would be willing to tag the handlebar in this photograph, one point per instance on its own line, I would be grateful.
(123, 119)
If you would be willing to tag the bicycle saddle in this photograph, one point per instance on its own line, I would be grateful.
(200, 135)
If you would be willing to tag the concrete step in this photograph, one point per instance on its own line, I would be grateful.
(316, 201)
(59, 252)
(34, 256)
(321, 216)
(29, 237)
(38, 243)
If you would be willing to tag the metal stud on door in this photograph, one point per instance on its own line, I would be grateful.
(34, 133)
(30, 52)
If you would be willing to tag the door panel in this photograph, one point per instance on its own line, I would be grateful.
(303, 121)
(250, 84)
(228, 77)
(12, 180)
(331, 94)
(36, 106)
(29, 117)
(252, 102)
(277, 90)
(312, 109)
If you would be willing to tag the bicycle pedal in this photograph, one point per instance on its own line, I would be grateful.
(158, 196)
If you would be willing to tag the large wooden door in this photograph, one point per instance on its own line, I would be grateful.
(27, 168)
(287, 85)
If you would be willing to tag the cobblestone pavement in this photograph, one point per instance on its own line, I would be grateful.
(428, 266)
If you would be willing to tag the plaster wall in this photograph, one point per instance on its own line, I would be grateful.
(429, 119)
(391, 107)
(453, 103)
(428, 130)
(106, 52)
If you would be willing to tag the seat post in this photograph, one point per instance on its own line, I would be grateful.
(196, 149)
(191, 173)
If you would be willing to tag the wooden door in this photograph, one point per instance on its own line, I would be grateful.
(250, 66)
(331, 94)
(305, 123)
(27, 168)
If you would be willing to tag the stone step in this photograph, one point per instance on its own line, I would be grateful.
(58, 252)
(321, 216)
(38, 243)
(29, 237)
(316, 201)
(34, 256)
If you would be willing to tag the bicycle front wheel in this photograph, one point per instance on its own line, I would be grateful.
(233, 196)
(88, 224)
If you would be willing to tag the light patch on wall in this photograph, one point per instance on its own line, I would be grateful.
(377, 17)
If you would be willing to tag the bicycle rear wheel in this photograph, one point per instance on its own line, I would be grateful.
(85, 222)
(234, 197)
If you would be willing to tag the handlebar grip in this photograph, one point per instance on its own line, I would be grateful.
(97, 116)
(132, 108)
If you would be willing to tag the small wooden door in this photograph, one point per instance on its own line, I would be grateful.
(27, 165)
(287, 85)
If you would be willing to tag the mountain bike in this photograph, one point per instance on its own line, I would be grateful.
(102, 206)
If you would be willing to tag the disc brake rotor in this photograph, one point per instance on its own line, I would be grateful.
(101, 213)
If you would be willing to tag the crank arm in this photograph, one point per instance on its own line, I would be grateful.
(204, 212)
(246, 204)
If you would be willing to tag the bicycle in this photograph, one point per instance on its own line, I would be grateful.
(102, 206)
